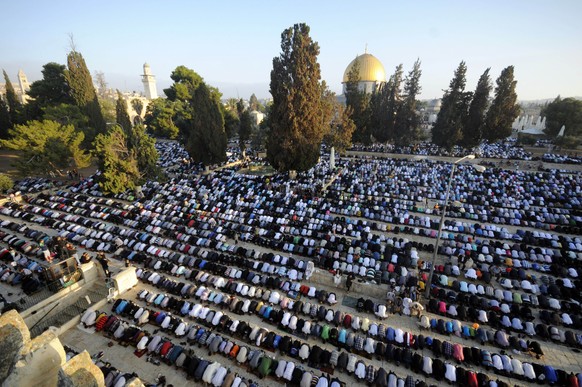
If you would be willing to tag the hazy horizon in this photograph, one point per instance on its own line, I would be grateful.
(231, 45)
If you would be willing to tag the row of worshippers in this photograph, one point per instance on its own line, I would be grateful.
(356, 342)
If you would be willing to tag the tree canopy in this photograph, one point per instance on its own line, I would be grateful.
(121, 115)
(560, 112)
(473, 127)
(407, 119)
(160, 118)
(504, 108)
(205, 137)
(384, 106)
(83, 93)
(447, 130)
(296, 116)
(51, 90)
(47, 146)
(14, 105)
(117, 162)
(245, 126)
(358, 101)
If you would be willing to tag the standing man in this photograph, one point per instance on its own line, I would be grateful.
(349, 281)
(104, 263)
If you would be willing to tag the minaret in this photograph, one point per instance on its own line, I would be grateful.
(149, 82)
(24, 86)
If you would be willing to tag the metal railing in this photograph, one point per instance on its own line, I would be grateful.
(45, 291)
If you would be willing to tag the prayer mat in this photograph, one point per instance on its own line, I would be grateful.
(140, 353)
(349, 301)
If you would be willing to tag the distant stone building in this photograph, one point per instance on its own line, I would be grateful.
(257, 117)
(149, 82)
(24, 86)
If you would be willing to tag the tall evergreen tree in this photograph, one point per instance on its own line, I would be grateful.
(407, 118)
(384, 104)
(504, 108)
(473, 127)
(245, 126)
(454, 109)
(296, 116)
(5, 122)
(83, 92)
(14, 105)
(121, 115)
(359, 102)
(206, 139)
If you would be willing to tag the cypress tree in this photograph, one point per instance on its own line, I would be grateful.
(14, 105)
(407, 119)
(504, 108)
(447, 130)
(359, 103)
(245, 125)
(206, 138)
(473, 127)
(296, 116)
(5, 122)
(384, 104)
(83, 92)
(121, 115)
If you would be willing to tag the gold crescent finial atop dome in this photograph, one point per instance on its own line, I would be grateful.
(366, 49)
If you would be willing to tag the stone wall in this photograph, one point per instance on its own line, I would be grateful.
(41, 361)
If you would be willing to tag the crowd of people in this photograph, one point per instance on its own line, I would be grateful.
(506, 278)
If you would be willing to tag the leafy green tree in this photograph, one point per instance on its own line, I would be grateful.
(51, 90)
(245, 126)
(159, 118)
(107, 106)
(560, 112)
(47, 146)
(406, 128)
(6, 182)
(504, 108)
(117, 162)
(186, 81)
(14, 105)
(341, 126)
(205, 137)
(384, 105)
(5, 122)
(358, 101)
(474, 124)
(144, 147)
(121, 115)
(296, 117)
(447, 130)
(83, 92)
(66, 114)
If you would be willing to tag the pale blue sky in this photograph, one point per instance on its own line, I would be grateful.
(232, 44)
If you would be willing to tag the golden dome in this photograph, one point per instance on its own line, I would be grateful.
(371, 69)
